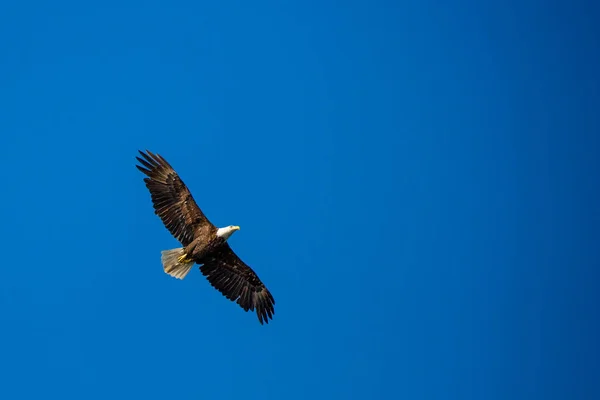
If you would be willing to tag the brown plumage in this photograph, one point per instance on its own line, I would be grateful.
(203, 243)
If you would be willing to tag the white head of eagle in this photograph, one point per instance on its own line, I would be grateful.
(227, 231)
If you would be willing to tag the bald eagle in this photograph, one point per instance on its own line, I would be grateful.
(203, 243)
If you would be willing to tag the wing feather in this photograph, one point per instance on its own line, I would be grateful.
(171, 199)
(227, 273)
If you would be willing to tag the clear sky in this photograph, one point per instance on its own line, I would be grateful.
(416, 182)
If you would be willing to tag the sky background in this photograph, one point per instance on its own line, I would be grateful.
(416, 183)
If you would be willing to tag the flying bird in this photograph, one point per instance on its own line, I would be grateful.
(202, 242)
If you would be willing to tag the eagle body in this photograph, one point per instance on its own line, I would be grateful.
(205, 242)
(202, 242)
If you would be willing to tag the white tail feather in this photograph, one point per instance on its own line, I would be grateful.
(171, 264)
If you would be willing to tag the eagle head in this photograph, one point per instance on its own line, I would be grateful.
(227, 231)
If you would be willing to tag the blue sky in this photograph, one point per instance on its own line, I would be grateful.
(416, 183)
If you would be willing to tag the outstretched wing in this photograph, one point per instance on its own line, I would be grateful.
(171, 198)
(227, 273)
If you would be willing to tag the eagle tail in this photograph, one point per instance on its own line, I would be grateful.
(175, 264)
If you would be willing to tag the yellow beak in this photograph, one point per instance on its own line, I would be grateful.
(236, 228)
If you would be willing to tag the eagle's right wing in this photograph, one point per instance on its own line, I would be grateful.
(227, 273)
(171, 198)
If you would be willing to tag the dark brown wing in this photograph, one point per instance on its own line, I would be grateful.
(238, 282)
(171, 198)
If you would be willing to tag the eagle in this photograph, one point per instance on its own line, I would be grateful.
(202, 242)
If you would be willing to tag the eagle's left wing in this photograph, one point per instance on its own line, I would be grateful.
(171, 198)
(227, 273)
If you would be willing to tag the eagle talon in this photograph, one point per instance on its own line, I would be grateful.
(183, 259)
